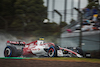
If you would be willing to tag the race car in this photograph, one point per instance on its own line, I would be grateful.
(39, 48)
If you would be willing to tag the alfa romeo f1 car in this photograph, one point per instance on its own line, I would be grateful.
(39, 48)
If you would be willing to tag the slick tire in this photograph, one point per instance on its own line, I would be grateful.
(52, 51)
(11, 51)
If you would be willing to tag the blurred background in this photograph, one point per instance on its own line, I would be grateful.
(68, 23)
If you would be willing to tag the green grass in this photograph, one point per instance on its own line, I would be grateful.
(59, 59)
(78, 59)
(11, 58)
(72, 59)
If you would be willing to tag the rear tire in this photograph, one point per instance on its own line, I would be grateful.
(11, 51)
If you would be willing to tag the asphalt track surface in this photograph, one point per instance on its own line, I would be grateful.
(44, 63)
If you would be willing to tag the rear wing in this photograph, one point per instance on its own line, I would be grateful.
(19, 43)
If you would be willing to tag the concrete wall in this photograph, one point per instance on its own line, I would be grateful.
(90, 40)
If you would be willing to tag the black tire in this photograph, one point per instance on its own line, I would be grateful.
(11, 51)
(52, 51)
(19, 52)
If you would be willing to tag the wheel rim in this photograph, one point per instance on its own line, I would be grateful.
(7, 52)
(51, 52)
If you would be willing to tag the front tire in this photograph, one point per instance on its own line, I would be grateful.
(52, 51)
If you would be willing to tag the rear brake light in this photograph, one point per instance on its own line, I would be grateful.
(8, 41)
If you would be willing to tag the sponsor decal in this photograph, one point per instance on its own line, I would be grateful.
(15, 42)
(59, 53)
(36, 49)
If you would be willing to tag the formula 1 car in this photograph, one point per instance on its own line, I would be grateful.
(39, 48)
